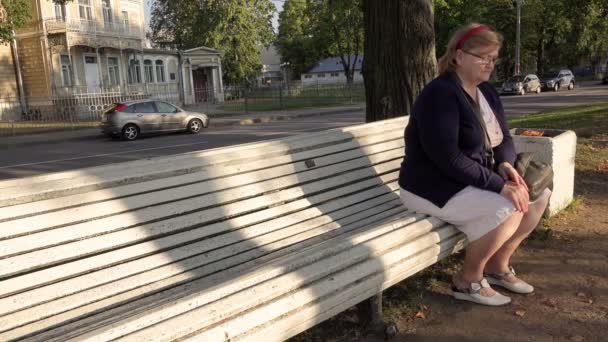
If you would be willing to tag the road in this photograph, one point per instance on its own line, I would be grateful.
(35, 159)
(30, 160)
(516, 105)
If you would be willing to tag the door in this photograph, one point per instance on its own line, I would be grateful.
(172, 118)
(199, 78)
(91, 71)
(148, 119)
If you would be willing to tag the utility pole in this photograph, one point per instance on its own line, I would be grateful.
(518, 38)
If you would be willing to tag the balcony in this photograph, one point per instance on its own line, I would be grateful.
(93, 28)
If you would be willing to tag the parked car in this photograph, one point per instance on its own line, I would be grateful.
(554, 80)
(521, 85)
(129, 120)
(605, 79)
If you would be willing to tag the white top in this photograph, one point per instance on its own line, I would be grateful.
(492, 125)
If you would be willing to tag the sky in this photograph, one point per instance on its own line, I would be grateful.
(275, 21)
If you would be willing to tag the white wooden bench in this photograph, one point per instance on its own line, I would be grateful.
(255, 242)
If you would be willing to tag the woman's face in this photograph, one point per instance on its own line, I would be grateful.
(477, 63)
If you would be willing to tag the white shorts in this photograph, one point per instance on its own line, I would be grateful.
(473, 211)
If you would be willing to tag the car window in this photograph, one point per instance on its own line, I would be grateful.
(164, 107)
(128, 109)
(144, 107)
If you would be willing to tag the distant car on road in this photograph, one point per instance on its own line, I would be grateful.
(554, 80)
(521, 85)
(129, 120)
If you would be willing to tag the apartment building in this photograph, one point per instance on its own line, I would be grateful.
(98, 46)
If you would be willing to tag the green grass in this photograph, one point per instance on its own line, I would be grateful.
(586, 120)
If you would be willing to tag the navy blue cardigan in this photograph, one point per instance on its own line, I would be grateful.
(444, 145)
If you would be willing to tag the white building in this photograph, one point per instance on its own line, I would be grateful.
(330, 70)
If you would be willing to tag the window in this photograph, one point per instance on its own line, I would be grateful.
(307, 76)
(160, 71)
(59, 11)
(148, 71)
(172, 76)
(66, 71)
(320, 75)
(164, 107)
(125, 20)
(107, 11)
(144, 107)
(134, 71)
(335, 74)
(90, 59)
(84, 9)
(113, 70)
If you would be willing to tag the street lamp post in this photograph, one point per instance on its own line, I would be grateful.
(518, 38)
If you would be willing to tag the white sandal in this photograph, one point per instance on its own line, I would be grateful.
(472, 294)
(518, 287)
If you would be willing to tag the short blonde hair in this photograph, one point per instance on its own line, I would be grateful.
(483, 38)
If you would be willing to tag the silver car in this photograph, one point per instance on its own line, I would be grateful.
(129, 120)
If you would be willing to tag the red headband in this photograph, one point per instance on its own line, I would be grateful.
(470, 33)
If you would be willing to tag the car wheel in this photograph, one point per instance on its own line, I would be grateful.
(571, 86)
(195, 126)
(130, 132)
(556, 87)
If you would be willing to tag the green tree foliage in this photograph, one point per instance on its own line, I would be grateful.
(15, 14)
(238, 28)
(313, 29)
(554, 33)
(296, 40)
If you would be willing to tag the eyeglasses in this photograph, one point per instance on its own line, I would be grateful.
(484, 60)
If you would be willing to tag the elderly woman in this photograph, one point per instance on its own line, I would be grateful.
(459, 167)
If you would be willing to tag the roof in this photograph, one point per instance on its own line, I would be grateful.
(203, 49)
(334, 64)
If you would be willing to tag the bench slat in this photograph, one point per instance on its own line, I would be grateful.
(339, 213)
(107, 224)
(153, 281)
(357, 245)
(240, 311)
(50, 186)
(126, 205)
(326, 307)
(366, 145)
(47, 257)
(97, 262)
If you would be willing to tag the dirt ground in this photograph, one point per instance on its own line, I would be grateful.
(567, 262)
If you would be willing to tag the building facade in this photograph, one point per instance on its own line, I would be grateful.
(98, 46)
(330, 70)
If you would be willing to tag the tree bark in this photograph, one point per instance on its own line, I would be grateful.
(399, 55)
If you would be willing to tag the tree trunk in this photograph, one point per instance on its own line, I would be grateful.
(540, 51)
(399, 55)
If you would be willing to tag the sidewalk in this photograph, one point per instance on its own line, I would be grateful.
(216, 120)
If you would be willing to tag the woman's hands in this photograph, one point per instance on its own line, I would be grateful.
(517, 194)
(508, 172)
(515, 188)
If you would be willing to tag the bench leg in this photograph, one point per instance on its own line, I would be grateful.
(370, 315)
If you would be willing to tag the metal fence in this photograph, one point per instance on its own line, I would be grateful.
(244, 100)
(80, 107)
